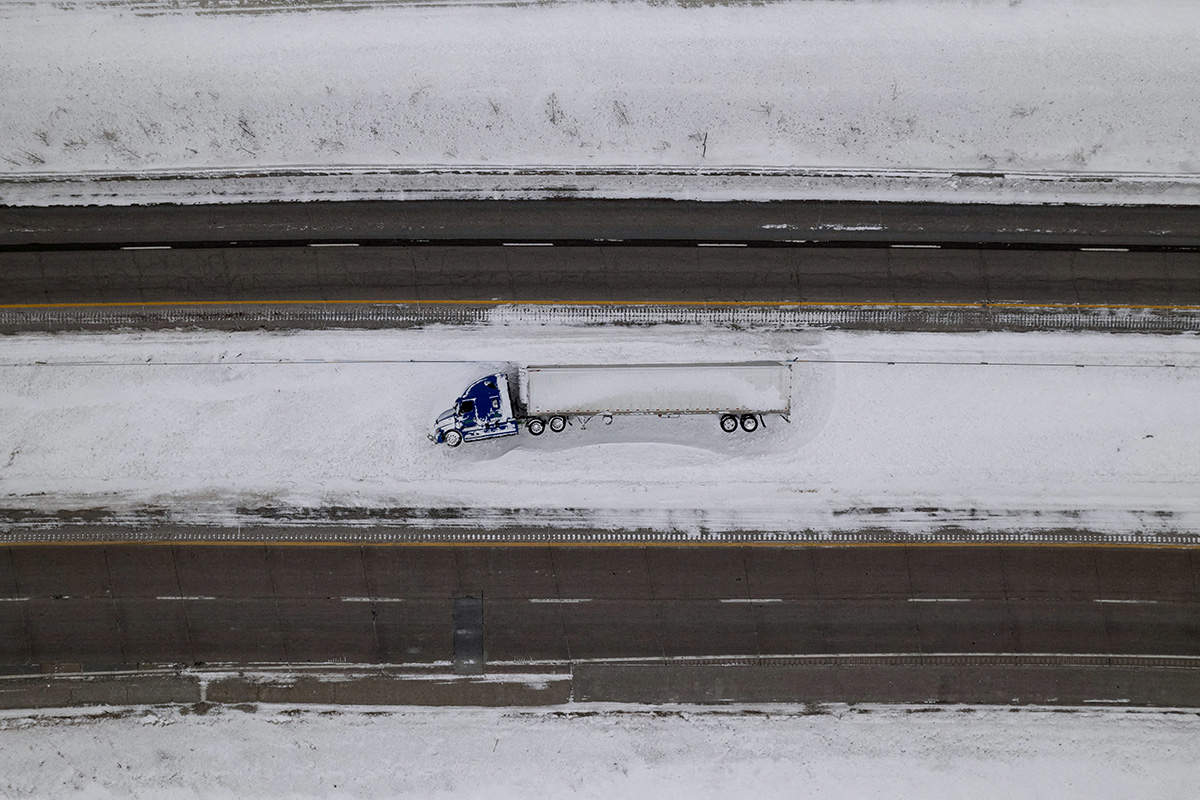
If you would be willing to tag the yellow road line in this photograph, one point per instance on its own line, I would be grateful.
(603, 303)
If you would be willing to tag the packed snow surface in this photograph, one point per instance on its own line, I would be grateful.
(607, 751)
(1067, 86)
(986, 431)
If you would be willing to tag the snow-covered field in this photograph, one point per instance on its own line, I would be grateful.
(909, 431)
(1017, 88)
(607, 751)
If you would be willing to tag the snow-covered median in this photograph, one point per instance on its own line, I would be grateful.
(915, 432)
(873, 87)
(605, 751)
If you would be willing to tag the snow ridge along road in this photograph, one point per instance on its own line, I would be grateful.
(627, 751)
(1045, 102)
(1066, 436)
(884, 316)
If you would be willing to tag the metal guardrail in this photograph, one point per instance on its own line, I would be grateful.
(32, 529)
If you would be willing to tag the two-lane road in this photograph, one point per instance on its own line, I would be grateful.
(606, 251)
(127, 604)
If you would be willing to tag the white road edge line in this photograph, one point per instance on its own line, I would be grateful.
(939, 600)
(917, 246)
(148, 247)
(560, 599)
(753, 600)
(1103, 250)
(333, 244)
(1129, 602)
(527, 244)
(372, 599)
(184, 597)
(13, 599)
(720, 244)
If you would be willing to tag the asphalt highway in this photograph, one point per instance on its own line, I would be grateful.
(136, 604)
(606, 221)
(121, 605)
(435, 252)
(489, 274)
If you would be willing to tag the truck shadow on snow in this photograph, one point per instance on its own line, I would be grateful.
(690, 431)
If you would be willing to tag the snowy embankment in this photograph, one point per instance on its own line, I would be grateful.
(608, 751)
(905, 431)
(828, 99)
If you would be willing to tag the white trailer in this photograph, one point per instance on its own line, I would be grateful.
(549, 396)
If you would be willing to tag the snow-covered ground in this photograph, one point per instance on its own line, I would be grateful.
(607, 751)
(908, 431)
(1055, 87)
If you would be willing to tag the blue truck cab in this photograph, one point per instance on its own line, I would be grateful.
(484, 411)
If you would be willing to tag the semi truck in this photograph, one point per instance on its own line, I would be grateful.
(538, 398)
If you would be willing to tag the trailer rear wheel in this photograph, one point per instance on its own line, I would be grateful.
(452, 438)
(536, 426)
(729, 423)
(558, 424)
(749, 423)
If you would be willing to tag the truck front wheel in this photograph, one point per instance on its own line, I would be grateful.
(453, 438)
(537, 427)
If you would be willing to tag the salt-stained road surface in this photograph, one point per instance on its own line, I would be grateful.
(907, 431)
